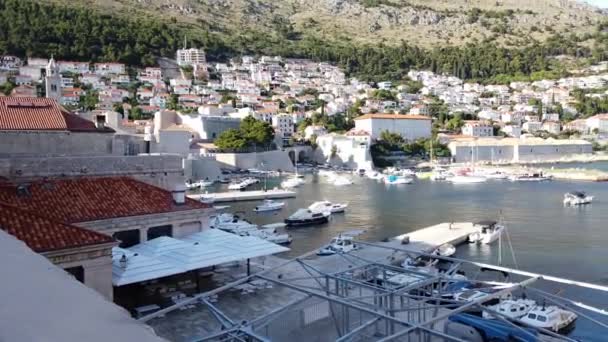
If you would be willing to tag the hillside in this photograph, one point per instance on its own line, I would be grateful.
(425, 23)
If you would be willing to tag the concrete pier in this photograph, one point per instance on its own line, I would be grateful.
(238, 196)
(429, 238)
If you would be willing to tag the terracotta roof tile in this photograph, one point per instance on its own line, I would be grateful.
(33, 113)
(42, 234)
(91, 199)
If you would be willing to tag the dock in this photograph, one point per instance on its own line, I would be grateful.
(429, 238)
(239, 196)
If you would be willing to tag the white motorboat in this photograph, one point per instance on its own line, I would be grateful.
(577, 198)
(293, 182)
(232, 223)
(465, 179)
(328, 206)
(439, 175)
(530, 177)
(269, 205)
(339, 244)
(445, 250)
(238, 185)
(489, 231)
(470, 295)
(496, 175)
(271, 235)
(512, 308)
(307, 217)
(341, 181)
(205, 183)
(192, 185)
(392, 179)
(550, 317)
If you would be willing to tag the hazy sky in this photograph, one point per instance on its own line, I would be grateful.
(600, 3)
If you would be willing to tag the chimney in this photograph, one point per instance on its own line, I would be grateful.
(100, 121)
(179, 194)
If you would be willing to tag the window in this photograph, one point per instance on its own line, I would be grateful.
(127, 238)
(159, 231)
(77, 272)
(532, 316)
(542, 318)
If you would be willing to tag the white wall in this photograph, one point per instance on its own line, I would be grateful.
(409, 129)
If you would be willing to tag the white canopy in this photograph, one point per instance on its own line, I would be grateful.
(165, 256)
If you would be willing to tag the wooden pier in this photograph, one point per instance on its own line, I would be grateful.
(238, 196)
(427, 239)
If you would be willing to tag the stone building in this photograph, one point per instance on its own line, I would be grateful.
(75, 222)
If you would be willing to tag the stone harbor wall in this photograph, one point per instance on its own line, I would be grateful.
(282, 160)
(205, 167)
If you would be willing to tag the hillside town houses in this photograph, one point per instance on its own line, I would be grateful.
(205, 98)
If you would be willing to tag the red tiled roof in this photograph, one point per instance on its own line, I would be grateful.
(33, 113)
(91, 199)
(42, 234)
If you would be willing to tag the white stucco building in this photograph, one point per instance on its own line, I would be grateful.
(351, 150)
(190, 57)
(410, 127)
(475, 128)
(283, 125)
(599, 122)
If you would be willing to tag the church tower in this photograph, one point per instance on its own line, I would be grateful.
(52, 80)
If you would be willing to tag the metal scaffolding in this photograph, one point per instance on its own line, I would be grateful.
(363, 297)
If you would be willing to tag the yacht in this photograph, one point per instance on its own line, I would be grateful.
(339, 244)
(445, 250)
(293, 182)
(512, 308)
(577, 198)
(530, 177)
(551, 318)
(328, 206)
(269, 205)
(489, 231)
(307, 217)
(392, 179)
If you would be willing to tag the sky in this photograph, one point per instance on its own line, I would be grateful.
(600, 3)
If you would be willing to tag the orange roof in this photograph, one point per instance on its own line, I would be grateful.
(90, 199)
(40, 114)
(393, 117)
(42, 234)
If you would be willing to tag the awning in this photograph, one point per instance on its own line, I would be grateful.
(165, 256)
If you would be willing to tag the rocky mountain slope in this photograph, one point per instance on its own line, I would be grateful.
(419, 22)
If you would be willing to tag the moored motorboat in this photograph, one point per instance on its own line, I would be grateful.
(489, 231)
(307, 217)
(530, 177)
(551, 318)
(328, 206)
(395, 180)
(577, 198)
(293, 182)
(339, 244)
(271, 235)
(207, 199)
(445, 250)
(466, 179)
(512, 308)
(269, 205)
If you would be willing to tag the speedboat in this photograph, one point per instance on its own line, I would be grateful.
(392, 179)
(551, 318)
(307, 217)
(577, 198)
(465, 179)
(192, 185)
(240, 185)
(339, 244)
(445, 250)
(496, 175)
(205, 183)
(470, 295)
(512, 308)
(328, 206)
(232, 223)
(269, 205)
(293, 182)
(530, 177)
(489, 231)
(271, 235)
(341, 181)
(374, 175)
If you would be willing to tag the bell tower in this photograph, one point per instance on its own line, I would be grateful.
(52, 80)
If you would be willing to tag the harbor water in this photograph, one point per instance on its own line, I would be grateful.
(547, 237)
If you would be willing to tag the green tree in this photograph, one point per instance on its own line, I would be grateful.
(231, 139)
(7, 88)
(256, 132)
(136, 113)
(89, 100)
(173, 103)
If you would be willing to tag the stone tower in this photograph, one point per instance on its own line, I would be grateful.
(52, 80)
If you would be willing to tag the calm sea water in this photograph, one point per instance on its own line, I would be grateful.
(547, 237)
